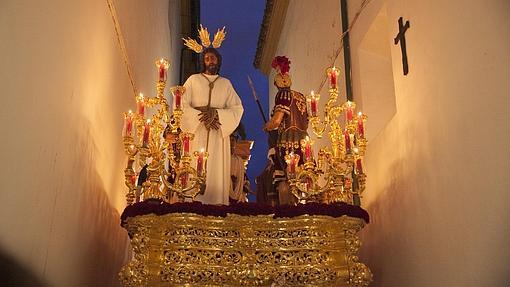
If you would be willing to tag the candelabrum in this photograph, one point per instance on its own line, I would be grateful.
(159, 162)
(336, 174)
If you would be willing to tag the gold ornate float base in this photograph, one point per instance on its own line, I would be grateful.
(184, 249)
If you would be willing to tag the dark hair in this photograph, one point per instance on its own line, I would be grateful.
(202, 58)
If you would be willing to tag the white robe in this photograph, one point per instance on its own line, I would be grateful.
(230, 109)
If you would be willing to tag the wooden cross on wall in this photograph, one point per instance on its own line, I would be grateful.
(402, 39)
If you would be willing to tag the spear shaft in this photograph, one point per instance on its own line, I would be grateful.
(257, 99)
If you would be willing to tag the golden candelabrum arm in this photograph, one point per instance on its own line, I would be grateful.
(155, 168)
(150, 143)
(336, 174)
(129, 172)
(305, 185)
(331, 112)
(318, 126)
(177, 93)
(187, 184)
(161, 116)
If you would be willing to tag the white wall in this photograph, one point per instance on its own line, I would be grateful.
(64, 88)
(310, 38)
(438, 157)
(373, 70)
(438, 170)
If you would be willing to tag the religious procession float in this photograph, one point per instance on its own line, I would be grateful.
(178, 241)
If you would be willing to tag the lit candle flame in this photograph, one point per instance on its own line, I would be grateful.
(162, 62)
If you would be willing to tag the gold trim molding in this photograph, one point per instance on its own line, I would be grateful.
(184, 249)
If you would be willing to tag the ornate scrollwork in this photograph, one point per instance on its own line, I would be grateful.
(359, 275)
(192, 250)
(136, 273)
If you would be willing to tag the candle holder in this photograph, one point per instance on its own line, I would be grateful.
(177, 93)
(159, 156)
(128, 123)
(333, 77)
(162, 65)
(140, 105)
(336, 175)
(129, 172)
(188, 181)
(313, 101)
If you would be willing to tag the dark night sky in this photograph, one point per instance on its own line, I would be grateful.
(242, 20)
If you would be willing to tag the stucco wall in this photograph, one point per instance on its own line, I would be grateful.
(310, 38)
(438, 156)
(438, 165)
(64, 89)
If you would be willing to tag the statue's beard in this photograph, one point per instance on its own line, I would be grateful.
(212, 69)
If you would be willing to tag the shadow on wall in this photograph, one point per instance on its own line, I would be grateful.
(105, 245)
(380, 236)
(401, 218)
(12, 274)
(84, 244)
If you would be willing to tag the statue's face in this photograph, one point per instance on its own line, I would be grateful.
(282, 81)
(211, 64)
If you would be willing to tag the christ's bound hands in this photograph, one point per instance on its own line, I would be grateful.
(210, 118)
